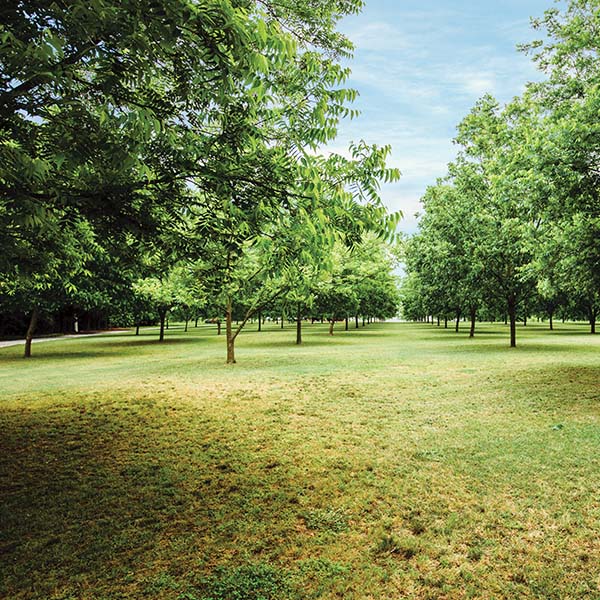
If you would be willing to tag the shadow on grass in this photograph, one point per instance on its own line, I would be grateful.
(562, 385)
(43, 356)
(98, 348)
(104, 496)
(154, 341)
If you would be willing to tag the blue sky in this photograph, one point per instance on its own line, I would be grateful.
(419, 67)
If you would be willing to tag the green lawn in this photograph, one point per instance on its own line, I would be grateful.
(396, 461)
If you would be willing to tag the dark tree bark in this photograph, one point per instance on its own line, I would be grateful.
(551, 315)
(331, 325)
(457, 320)
(512, 317)
(593, 313)
(356, 321)
(186, 325)
(473, 319)
(218, 327)
(298, 325)
(137, 329)
(346, 323)
(259, 321)
(229, 334)
(162, 314)
(445, 322)
(35, 313)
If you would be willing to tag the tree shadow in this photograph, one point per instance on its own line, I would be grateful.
(43, 356)
(120, 497)
(154, 341)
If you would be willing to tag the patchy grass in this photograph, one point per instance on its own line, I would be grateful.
(396, 461)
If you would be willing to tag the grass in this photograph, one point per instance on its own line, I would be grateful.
(396, 461)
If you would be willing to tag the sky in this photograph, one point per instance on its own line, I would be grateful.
(420, 66)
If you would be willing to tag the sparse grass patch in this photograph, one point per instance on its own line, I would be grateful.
(396, 461)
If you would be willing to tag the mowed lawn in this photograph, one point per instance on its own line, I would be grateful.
(393, 461)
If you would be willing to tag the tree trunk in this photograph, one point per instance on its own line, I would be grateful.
(137, 329)
(473, 318)
(259, 321)
(512, 316)
(35, 313)
(282, 318)
(331, 324)
(363, 321)
(438, 321)
(162, 314)
(457, 320)
(167, 323)
(186, 325)
(299, 325)
(229, 335)
(593, 314)
(551, 314)
(196, 321)
(218, 327)
(346, 323)
(445, 322)
(356, 321)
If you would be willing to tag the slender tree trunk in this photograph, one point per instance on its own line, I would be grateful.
(331, 324)
(229, 334)
(445, 322)
(299, 325)
(356, 321)
(346, 322)
(167, 323)
(186, 325)
(551, 314)
(363, 321)
(282, 318)
(457, 320)
(35, 313)
(218, 327)
(259, 321)
(525, 320)
(196, 321)
(473, 318)
(162, 314)
(438, 321)
(512, 316)
(593, 314)
(137, 329)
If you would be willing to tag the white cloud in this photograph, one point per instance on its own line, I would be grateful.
(379, 36)
(418, 75)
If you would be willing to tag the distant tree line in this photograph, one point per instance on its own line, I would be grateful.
(161, 155)
(513, 230)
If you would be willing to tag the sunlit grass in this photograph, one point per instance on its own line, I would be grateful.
(394, 461)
